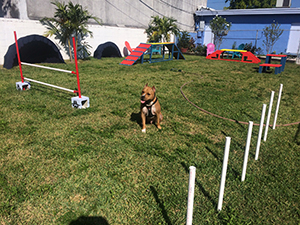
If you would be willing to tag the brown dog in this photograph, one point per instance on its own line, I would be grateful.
(150, 107)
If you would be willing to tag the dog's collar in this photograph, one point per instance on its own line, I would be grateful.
(152, 103)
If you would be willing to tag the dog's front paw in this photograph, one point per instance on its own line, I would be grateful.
(144, 130)
(159, 127)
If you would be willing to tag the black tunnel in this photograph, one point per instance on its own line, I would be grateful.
(33, 49)
(108, 49)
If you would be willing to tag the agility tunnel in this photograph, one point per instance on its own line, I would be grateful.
(108, 49)
(33, 49)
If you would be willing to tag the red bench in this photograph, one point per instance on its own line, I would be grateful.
(265, 66)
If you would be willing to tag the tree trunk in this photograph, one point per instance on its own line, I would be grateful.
(70, 49)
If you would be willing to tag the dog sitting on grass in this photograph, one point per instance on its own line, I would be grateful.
(150, 107)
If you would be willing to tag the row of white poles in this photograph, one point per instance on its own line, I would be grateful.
(192, 169)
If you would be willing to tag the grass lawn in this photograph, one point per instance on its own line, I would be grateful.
(60, 165)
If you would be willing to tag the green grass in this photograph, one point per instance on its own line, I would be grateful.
(60, 165)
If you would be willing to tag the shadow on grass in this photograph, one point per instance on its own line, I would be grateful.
(237, 143)
(55, 93)
(136, 117)
(206, 194)
(89, 220)
(161, 206)
(297, 136)
(236, 174)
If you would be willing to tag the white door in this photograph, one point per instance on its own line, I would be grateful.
(294, 39)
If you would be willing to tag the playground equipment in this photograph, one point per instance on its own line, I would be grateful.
(148, 48)
(237, 53)
(247, 57)
(278, 67)
(77, 102)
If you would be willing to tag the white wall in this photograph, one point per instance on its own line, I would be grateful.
(101, 34)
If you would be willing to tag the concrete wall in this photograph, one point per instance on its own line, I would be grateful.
(101, 34)
(129, 13)
(122, 20)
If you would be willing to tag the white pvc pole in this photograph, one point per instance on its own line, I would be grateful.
(50, 85)
(277, 106)
(261, 125)
(190, 205)
(46, 67)
(247, 149)
(269, 115)
(224, 170)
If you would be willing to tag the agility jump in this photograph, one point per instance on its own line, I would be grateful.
(77, 102)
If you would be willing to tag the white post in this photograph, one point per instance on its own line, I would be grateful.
(247, 150)
(190, 205)
(269, 115)
(224, 170)
(261, 125)
(277, 106)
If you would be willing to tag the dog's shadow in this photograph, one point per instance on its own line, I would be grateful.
(136, 117)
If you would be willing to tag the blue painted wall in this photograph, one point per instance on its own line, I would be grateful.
(248, 29)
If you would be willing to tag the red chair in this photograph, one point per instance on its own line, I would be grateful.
(128, 47)
(210, 49)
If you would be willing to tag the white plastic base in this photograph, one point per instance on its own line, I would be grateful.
(80, 103)
(22, 85)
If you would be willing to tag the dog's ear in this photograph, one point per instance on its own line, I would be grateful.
(153, 88)
(146, 85)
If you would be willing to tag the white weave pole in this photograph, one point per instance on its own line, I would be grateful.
(277, 106)
(269, 115)
(247, 150)
(190, 204)
(261, 126)
(50, 85)
(46, 67)
(224, 171)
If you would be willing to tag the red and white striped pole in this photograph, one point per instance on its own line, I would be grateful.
(19, 59)
(76, 65)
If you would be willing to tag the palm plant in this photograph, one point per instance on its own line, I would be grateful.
(69, 20)
(160, 29)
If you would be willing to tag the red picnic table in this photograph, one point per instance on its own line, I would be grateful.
(278, 67)
(282, 60)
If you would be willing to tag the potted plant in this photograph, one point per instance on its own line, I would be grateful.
(184, 40)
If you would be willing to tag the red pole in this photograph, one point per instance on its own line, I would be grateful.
(18, 54)
(76, 64)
